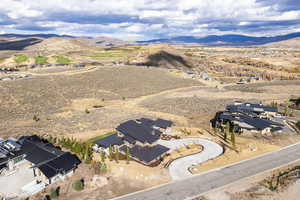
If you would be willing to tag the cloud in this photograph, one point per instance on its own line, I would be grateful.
(148, 19)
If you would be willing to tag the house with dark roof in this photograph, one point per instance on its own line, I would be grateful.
(48, 162)
(252, 109)
(140, 137)
(247, 117)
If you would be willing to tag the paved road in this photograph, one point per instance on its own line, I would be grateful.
(199, 184)
(179, 168)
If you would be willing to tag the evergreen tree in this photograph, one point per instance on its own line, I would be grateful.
(233, 139)
(110, 153)
(227, 130)
(103, 156)
(117, 155)
(127, 155)
(286, 110)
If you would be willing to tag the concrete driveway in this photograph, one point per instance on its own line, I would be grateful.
(180, 168)
(11, 185)
(198, 184)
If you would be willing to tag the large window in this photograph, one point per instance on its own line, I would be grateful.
(18, 159)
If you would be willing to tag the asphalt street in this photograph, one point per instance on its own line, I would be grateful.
(199, 184)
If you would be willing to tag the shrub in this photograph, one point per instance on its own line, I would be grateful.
(54, 193)
(298, 124)
(41, 60)
(87, 111)
(62, 60)
(36, 118)
(20, 58)
(78, 185)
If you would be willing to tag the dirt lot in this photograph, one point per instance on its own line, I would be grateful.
(60, 101)
(91, 103)
(250, 188)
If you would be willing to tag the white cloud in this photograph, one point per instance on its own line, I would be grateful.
(145, 18)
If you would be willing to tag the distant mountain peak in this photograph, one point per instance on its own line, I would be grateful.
(225, 40)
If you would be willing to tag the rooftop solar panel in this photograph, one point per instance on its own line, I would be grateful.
(146, 154)
(109, 140)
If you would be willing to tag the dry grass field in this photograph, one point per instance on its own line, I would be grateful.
(92, 101)
(60, 101)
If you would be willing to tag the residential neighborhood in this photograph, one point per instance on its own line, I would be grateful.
(247, 117)
(37, 161)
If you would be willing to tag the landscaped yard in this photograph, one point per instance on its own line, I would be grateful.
(95, 139)
(62, 60)
(20, 58)
(41, 60)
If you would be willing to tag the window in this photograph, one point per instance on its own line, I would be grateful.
(18, 159)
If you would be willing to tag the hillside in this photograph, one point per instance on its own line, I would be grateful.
(291, 43)
(225, 40)
(160, 55)
(60, 44)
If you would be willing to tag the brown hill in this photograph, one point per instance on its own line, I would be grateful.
(56, 44)
(160, 55)
(291, 43)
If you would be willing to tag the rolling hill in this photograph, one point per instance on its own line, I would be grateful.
(225, 40)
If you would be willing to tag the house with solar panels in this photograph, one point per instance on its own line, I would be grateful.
(245, 117)
(140, 137)
(49, 164)
(256, 110)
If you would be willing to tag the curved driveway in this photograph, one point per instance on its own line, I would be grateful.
(180, 168)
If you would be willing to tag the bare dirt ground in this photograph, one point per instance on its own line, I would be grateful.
(60, 101)
(90, 103)
(251, 189)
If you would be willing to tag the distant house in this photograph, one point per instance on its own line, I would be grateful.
(252, 109)
(49, 163)
(140, 137)
(247, 117)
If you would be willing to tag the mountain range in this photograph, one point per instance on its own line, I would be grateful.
(210, 40)
(225, 40)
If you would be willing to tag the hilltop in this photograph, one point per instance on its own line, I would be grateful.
(224, 40)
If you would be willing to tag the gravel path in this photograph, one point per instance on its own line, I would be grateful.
(180, 168)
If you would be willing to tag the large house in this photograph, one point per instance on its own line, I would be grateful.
(252, 109)
(140, 138)
(49, 164)
(245, 117)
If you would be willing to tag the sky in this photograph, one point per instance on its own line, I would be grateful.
(150, 19)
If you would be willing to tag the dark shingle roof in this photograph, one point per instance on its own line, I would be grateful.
(61, 164)
(109, 140)
(249, 108)
(138, 131)
(146, 154)
(163, 123)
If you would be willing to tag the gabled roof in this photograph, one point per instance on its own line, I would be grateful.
(49, 159)
(109, 140)
(250, 108)
(139, 132)
(38, 151)
(146, 154)
(61, 164)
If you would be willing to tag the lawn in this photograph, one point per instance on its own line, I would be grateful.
(94, 139)
(20, 58)
(41, 60)
(62, 60)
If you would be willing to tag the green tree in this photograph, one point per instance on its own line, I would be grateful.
(78, 185)
(103, 156)
(117, 155)
(298, 124)
(286, 110)
(233, 139)
(110, 153)
(36, 118)
(54, 193)
(227, 130)
(127, 155)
